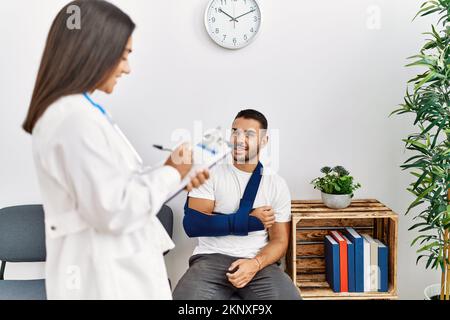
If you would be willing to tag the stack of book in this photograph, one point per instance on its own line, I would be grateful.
(355, 262)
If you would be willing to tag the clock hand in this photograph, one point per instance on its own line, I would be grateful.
(232, 19)
(234, 14)
(244, 14)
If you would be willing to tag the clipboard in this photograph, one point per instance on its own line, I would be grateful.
(207, 153)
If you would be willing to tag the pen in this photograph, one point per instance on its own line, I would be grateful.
(159, 147)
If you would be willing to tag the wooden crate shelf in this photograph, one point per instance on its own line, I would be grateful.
(311, 221)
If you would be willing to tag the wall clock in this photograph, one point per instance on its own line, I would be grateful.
(233, 24)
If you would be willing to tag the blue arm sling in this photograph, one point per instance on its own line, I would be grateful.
(197, 224)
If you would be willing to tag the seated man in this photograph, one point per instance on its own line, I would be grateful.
(239, 253)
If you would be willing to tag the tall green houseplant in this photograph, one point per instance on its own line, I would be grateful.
(427, 98)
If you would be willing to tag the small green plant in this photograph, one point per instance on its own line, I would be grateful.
(337, 180)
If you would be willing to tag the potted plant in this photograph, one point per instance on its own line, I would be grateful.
(427, 99)
(337, 187)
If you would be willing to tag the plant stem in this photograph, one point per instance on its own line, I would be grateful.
(447, 291)
(445, 280)
(444, 275)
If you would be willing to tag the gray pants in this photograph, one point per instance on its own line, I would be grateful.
(206, 280)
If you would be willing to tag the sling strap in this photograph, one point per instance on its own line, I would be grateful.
(197, 224)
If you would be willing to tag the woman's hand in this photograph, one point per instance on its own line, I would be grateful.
(198, 180)
(181, 160)
(266, 215)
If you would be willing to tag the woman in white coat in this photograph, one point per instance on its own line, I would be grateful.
(103, 238)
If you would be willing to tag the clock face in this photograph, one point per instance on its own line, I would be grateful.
(233, 24)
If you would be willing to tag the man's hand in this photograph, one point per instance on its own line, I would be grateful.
(246, 271)
(266, 215)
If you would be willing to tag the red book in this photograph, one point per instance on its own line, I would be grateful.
(343, 267)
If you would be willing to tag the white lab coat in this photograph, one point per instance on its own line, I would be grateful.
(103, 238)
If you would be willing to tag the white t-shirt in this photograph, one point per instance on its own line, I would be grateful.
(226, 187)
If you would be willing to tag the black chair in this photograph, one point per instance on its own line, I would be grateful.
(22, 239)
(166, 218)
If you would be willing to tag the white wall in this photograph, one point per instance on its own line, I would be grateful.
(319, 73)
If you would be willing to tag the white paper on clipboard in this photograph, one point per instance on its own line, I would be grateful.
(206, 154)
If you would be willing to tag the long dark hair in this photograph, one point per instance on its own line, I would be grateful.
(77, 60)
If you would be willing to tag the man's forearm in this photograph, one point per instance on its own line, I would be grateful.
(200, 224)
(271, 253)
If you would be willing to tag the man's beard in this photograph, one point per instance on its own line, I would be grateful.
(248, 159)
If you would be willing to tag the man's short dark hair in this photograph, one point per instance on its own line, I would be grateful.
(255, 115)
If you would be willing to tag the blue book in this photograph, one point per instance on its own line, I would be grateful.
(351, 265)
(358, 243)
(382, 266)
(332, 267)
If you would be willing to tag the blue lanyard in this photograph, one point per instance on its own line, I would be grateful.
(103, 111)
(95, 105)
